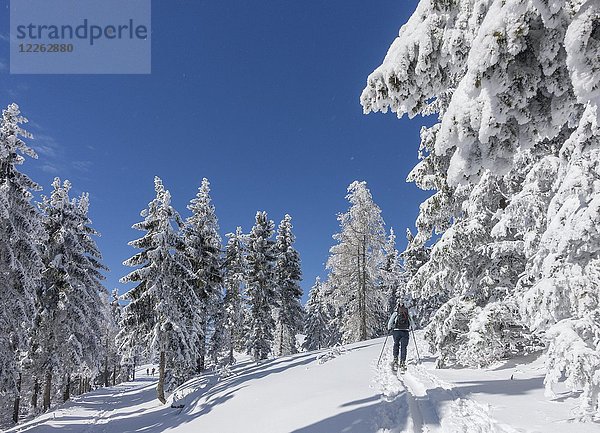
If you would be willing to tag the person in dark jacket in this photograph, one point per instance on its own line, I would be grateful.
(400, 324)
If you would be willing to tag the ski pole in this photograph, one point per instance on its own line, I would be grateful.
(382, 349)
(416, 347)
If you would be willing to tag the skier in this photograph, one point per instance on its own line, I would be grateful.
(147, 372)
(153, 371)
(399, 324)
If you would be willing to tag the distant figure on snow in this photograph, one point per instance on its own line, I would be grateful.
(147, 372)
(400, 324)
(152, 371)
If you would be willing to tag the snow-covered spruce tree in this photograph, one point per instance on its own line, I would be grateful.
(70, 323)
(21, 232)
(562, 282)
(479, 323)
(288, 275)
(131, 347)
(393, 275)
(333, 312)
(513, 80)
(234, 282)
(91, 299)
(413, 257)
(218, 341)
(203, 249)
(164, 309)
(114, 355)
(260, 281)
(246, 321)
(316, 319)
(356, 264)
(471, 274)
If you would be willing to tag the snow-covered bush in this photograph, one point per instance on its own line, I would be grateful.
(334, 352)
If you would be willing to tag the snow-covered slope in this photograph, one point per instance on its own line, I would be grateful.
(316, 393)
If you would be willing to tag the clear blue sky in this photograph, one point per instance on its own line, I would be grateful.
(262, 98)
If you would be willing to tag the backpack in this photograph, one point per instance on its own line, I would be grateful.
(402, 321)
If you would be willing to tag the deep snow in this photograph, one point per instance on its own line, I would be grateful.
(344, 392)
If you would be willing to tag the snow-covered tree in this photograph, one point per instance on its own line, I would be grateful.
(288, 275)
(21, 232)
(112, 358)
(203, 249)
(393, 275)
(261, 284)
(218, 342)
(516, 86)
(70, 324)
(316, 319)
(473, 274)
(90, 297)
(562, 282)
(233, 305)
(333, 311)
(164, 309)
(413, 257)
(356, 264)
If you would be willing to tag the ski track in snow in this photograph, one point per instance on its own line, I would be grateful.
(430, 404)
(97, 424)
(463, 414)
(424, 414)
(393, 413)
(93, 412)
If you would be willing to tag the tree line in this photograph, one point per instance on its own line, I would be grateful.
(56, 318)
(194, 302)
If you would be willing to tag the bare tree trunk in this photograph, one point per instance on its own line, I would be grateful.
(200, 362)
(358, 277)
(294, 344)
(231, 358)
(106, 371)
(67, 390)
(114, 379)
(160, 388)
(281, 352)
(17, 400)
(34, 395)
(47, 391)
(80, 385)
(364, 281)
(362, 328)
